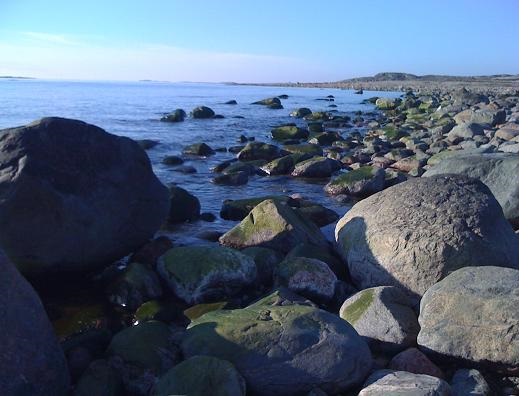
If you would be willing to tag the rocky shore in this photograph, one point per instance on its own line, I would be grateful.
(417, 294)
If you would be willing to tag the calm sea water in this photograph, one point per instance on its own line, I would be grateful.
(134, 109)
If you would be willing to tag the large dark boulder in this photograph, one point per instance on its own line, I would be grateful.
(31, 360)
(74, 197)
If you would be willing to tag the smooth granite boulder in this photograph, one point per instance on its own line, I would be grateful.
(361, 182)
(472, 316)
(74, 197)
(201, 376)
(384, 317)
(401, 383)
(415, 233)
(275, 225)
(31, 359)
(202, 273)
(498, 171)
(282, 349)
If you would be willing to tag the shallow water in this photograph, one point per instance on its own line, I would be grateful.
(133, 109)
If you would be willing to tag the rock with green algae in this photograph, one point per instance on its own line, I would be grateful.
(324, 254)
(201, 376)
(275, 225)
(199, 149)
(202, 112)
(206, 273)
(268, 102)
(325, 138)
(144, 345)
(99, 379)
(316, 167)
(164, 311)
(177, 115)
(265, 260)
(387, 103)
(194, 312)
(259, 151)
(384, 317)
(360, 182)
(282, 349)
(286, 132)
(284, 165)
(237, 209)
(308, 277)
(300, 112)
(305, 148)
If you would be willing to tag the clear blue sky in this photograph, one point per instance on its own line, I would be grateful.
(256, 41)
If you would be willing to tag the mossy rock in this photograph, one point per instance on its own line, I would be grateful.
(239, 208)
(279, 349)
(199, 274)
(315, 127)
(325, 138)
(142, 345)
(289, 132)
(258, 151)
(177, 115)
(77, 319)
(393, 133)
(268, 102)
(201, 376)
(312, 149)
(194, 312)
(157, 310)
(316, 167)
(360, 182)
(300, 112)
(198, 149)
(275, 225)
(318, 116)
(202, 112)
(283, 165)
(266, 260)
(352, 312)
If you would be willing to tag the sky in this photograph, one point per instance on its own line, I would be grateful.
(256, 41)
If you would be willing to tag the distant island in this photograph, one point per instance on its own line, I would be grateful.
(17, 78)
(395, 81)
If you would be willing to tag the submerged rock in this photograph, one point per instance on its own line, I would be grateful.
(300, 112)
(472, 316)
(177, 115)
(198, 149)
(415, 233)
(78, 197)
(203, 273)
(31, 359)
(282, 349)
(202, 112)
(232, 179)
(275, 225)
(201, 375)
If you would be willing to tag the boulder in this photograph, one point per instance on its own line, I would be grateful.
(414, 361)
(401, 383)
(232, 179)
(206, 273)
(360, 182)
(202, 112)
(316, 213)
(183, 206)
(201, 375)
(507, 131)
(469, 382)
(284, 165)
(415, 233)
(464, 131)
(282, 349)
(74, 197)
(177, 115)
(300, 112)
(498, 171)
(472, 316)
(31, 359)
(172, 160)
(259, 151)
(384, 317)
(286, 132)
(266, 260)
(198, 149)
(308, 149)
(269, 102)
(485, 117)
(275, 225)
(316, 167)
(387, 103)
(307, 277)
(237, 209)
(324, 254)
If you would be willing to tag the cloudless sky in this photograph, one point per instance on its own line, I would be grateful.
(256, 41)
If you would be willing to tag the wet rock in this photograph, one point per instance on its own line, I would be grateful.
(384, 317)
(31, 361)
(163, 311)
(469, 382)
(99, 379)
(307, 277)
(259, 151)
(316, 167)
(266, 260)
(324, 254)
(283, 165)
(184, 206)
(361, 182)
(172, 160)
(186, 169)
(317, 214)
(472, 316)
(282, 349)
(325, 138)
(414, 361)
(232, 179)
(239, 208)
(389, 382)
(202, 112)
(204, 273)
(308, 149)
(275, 225)
(201, 375)
(300, 112)
(144, 345)
(209, 217)
(78, 199)
(417, 232)
(147, 144)
(177, 115)
(134, 286)
(500, 172)
(231, 102)
(268, 102)
(198, 149)
(289, 132)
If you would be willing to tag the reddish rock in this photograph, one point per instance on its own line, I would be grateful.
(414, 361)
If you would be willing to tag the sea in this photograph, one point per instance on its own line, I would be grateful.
(134, 109)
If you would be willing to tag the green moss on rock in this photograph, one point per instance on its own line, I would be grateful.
(353, 312)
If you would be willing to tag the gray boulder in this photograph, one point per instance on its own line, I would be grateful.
(202, 273)
(74, 197)
(282, 349)
(275, 225)
(464, 131)
(31, 359)
(469, 382)
(498, 171)
(415, 233)
(472, 316)
(384, 317)
(401, 383)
